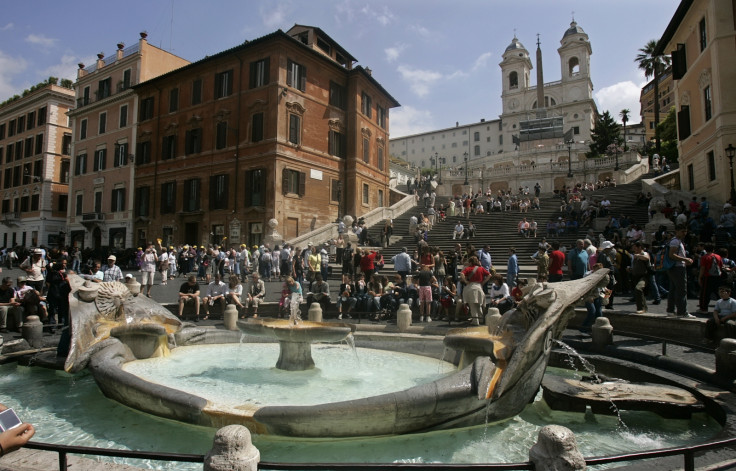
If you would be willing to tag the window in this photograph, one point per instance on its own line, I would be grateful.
(117, 202)
(37, 170)
(476, 136)
(103, 123)
(683, 122)
(192, 195)
(296, 75)
(85, 97)
(255, 187)
(11, 128)
(63, 203)
(21, 124)
(366, 194)
(11, 149)
(257, 127)
(2, 131)
(2, 152)
(34, 202)
(100, 161)
(121, 155)
(98, 202)
(476, 150)
(80, 164)
(24, 204)
(142, 198)
(679, 62)
(338, 95)
(500, 139)
(293, 182)
(83, 129)
(366, 150)
(576, 130)
(707, 102)
(104, 88)
(16, 175)
(221, 138)
(39, 144)
(126, 80)
(365, 104)
(703, 35)
(690, 177)
(146, 108)
(381, 116)
(173, 100)
(197, 92)
(65, 171)
(294, 128)
(31, 119)
(168, 147)
(219, 191)
(223, 84)
(193, 141)
(8, 179)
(168, 197)
(336, 144)
(711, 158)
(335, 190)
(259, 73)
(123, 116)
(380, 198)
(28, 147)
(379, 150)
(143, 153)
(78, 205)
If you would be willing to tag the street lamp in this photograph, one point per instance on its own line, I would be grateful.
(730, 152)
(466, 169)
(436, 165)
(569, 143)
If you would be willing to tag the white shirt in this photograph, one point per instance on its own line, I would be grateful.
(216, 289)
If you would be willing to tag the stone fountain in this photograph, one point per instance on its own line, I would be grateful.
(500, 373)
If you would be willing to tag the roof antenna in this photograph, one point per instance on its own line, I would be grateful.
(573, 15)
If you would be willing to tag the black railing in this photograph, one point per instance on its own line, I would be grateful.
(688, 454)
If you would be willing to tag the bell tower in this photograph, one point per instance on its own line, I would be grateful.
(516, 68)
(575, 54)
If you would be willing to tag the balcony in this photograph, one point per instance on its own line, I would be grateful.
(92, 218)
(12, 218)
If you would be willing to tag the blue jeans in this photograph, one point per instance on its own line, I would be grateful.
(594, 311)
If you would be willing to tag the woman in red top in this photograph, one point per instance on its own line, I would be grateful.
(427, 259)
(474, 276)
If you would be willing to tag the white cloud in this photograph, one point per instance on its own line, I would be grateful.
(481, 61)
(618, 96)
(384, 16)
(344, 12)
(419, 80)
(408, 120)
(420, 30)
(10, 67)
(41, 40)
(67, 68)
(393, 53)
(274, 15)
(7, 27)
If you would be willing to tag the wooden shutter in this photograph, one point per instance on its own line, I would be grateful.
(302, 183)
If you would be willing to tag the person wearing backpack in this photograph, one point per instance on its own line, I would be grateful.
(711, 267)
(677, 274)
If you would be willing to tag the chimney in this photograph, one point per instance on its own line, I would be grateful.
(100, 61)
(81, 72)
(119, 52)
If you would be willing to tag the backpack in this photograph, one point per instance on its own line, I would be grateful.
(662, 261)
(715, 269)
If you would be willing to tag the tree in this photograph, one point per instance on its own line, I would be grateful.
(667, 130)
(624, 114)
(653, 65)
(605, 133)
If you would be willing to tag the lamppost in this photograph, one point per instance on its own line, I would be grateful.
(569, 143)
(730, 152)
(436, 166)
(466, 169)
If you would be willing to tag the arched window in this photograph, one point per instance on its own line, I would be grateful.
(573, 66)
(513, 80)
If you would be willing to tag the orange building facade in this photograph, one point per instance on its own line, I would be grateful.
(279, 128)
(35, 143)
(100, 212)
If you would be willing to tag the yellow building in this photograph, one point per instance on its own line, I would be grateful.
(666, 101)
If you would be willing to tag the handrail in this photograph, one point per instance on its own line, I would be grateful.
(688, 453)
(664, 341)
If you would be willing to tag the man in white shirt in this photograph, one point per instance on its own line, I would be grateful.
(459, 231)
(148, 270)
(215, 294)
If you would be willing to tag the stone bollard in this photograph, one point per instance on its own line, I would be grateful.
(230, 317)
(403, 318)
(726, 358)
(602, 332)
(493, 319)
(556, 450)
(232, 450)
(315, 313)
(32, 331)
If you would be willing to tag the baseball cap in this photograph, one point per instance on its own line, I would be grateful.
(607, 244)
(22, 279)
(128, 276)
(112, 257)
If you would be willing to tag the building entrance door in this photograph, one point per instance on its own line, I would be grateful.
(191, 233)
(96, 238)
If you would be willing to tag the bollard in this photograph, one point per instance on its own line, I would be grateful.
(232, 450)
(602, 332)
(556, 450)
(32, 331)
(403, 318)
(493, 319)
(230, 317)
(726, 358)
(315, 313)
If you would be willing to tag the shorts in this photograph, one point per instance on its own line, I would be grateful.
(147, 277)
(425, 293)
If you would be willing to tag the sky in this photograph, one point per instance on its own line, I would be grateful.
(439, 59)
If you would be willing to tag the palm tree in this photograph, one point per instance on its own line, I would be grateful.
(653, 65)
(624, 119)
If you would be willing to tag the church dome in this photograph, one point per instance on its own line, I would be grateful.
(515, 45)
(573, 29)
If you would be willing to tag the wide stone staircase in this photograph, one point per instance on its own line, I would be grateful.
(499, 229)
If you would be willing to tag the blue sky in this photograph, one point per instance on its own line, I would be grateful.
(438, 58)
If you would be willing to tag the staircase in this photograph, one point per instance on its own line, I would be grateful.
(500, 229)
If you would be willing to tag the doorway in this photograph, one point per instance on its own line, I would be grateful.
(191, 233)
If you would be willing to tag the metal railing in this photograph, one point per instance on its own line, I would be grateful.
(687, 452)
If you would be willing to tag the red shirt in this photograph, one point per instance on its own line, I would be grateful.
(476, 277)
(556, 261)
(366, 262)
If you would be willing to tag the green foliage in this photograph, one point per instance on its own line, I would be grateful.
(605, 133)
(66, 83)
(668, 135)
